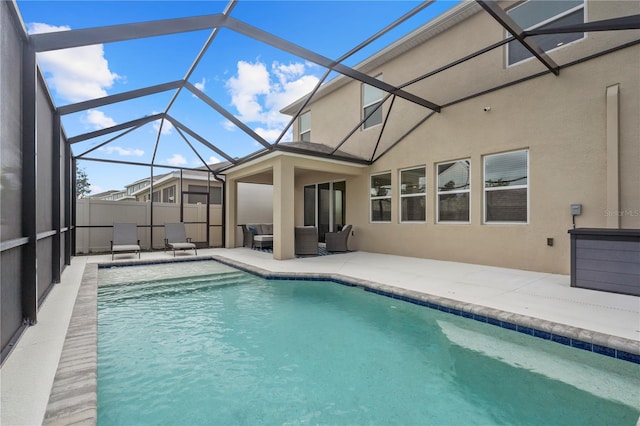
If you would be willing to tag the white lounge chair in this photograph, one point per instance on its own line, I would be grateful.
(125, 239)
(176, 238)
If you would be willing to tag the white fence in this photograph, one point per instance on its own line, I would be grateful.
(101, 215)
(254, 205)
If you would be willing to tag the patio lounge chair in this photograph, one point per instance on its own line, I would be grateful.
(125, 239)
(306, 240)
(337, 241)
(176, 238)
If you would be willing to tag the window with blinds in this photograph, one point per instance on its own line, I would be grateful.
(539, 14)
(454, 188)
(371, 99)
(506, 187)
(305, 127)
(380, 197)
(413, 190)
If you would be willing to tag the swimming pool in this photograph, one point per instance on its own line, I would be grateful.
(227, 347)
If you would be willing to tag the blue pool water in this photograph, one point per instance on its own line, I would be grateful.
(225, 347)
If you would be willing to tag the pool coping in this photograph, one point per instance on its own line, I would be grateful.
(74, 399)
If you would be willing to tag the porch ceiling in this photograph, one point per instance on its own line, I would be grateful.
(260, 170)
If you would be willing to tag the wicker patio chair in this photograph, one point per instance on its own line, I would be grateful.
(306, 240)
(337, 241)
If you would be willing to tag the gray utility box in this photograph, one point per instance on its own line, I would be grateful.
(606, 259)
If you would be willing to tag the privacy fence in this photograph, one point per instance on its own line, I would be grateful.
(95, 219)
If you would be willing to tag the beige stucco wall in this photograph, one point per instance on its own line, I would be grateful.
(254, 205)
(335, 114)
(561, 120)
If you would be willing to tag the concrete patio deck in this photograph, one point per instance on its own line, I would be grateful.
(28, 373)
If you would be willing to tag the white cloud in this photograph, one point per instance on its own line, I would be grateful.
(95, 189)
(201, 85)
(270, 135)
(251, 82)
(258, 94)
(98, 120)
(167, 127)
(229, 126)
(176, 160)
(75, 74)
(125, 152)
(213, 160)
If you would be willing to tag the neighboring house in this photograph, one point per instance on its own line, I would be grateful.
(168, 187)
(120, 195)
(111, 195)
(490, 178)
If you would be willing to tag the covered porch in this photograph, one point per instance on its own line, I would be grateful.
(288, 172)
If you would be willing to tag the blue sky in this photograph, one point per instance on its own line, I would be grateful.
(251, 80)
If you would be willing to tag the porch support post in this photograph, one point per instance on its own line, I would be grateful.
(283, 207)
(231, 216)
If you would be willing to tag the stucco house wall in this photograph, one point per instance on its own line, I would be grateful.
(563, 121)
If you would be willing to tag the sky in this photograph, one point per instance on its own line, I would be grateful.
(251, 80)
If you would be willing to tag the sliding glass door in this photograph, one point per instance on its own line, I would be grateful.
(324, 206)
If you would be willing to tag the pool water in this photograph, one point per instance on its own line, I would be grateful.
(225, 347)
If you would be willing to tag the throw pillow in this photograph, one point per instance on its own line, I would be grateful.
(253, 230)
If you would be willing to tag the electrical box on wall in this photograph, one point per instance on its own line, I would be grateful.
(576, 209)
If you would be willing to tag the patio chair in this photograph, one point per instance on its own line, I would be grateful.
(306, 240)
(176, 238)
(125, 239)
(337, 241)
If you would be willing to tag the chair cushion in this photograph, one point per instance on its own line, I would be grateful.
(267, 229)
(182, 246)
(263, 238)
(126, 247)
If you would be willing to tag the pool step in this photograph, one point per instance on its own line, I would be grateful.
(172, 286)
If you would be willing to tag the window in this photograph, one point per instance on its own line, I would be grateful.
(381, 197)
(506, 187)
(156, 197)
(215, 195)
(413, 200)
(305, 127)
(169, 194)
(454, 191)
(538, 14)
(371, 98)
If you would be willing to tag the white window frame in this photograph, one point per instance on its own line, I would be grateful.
(377, 197)
(457, 191)
(302, 130)
(365, 106)
(420, 194)
(545, 22)
(504, 188)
